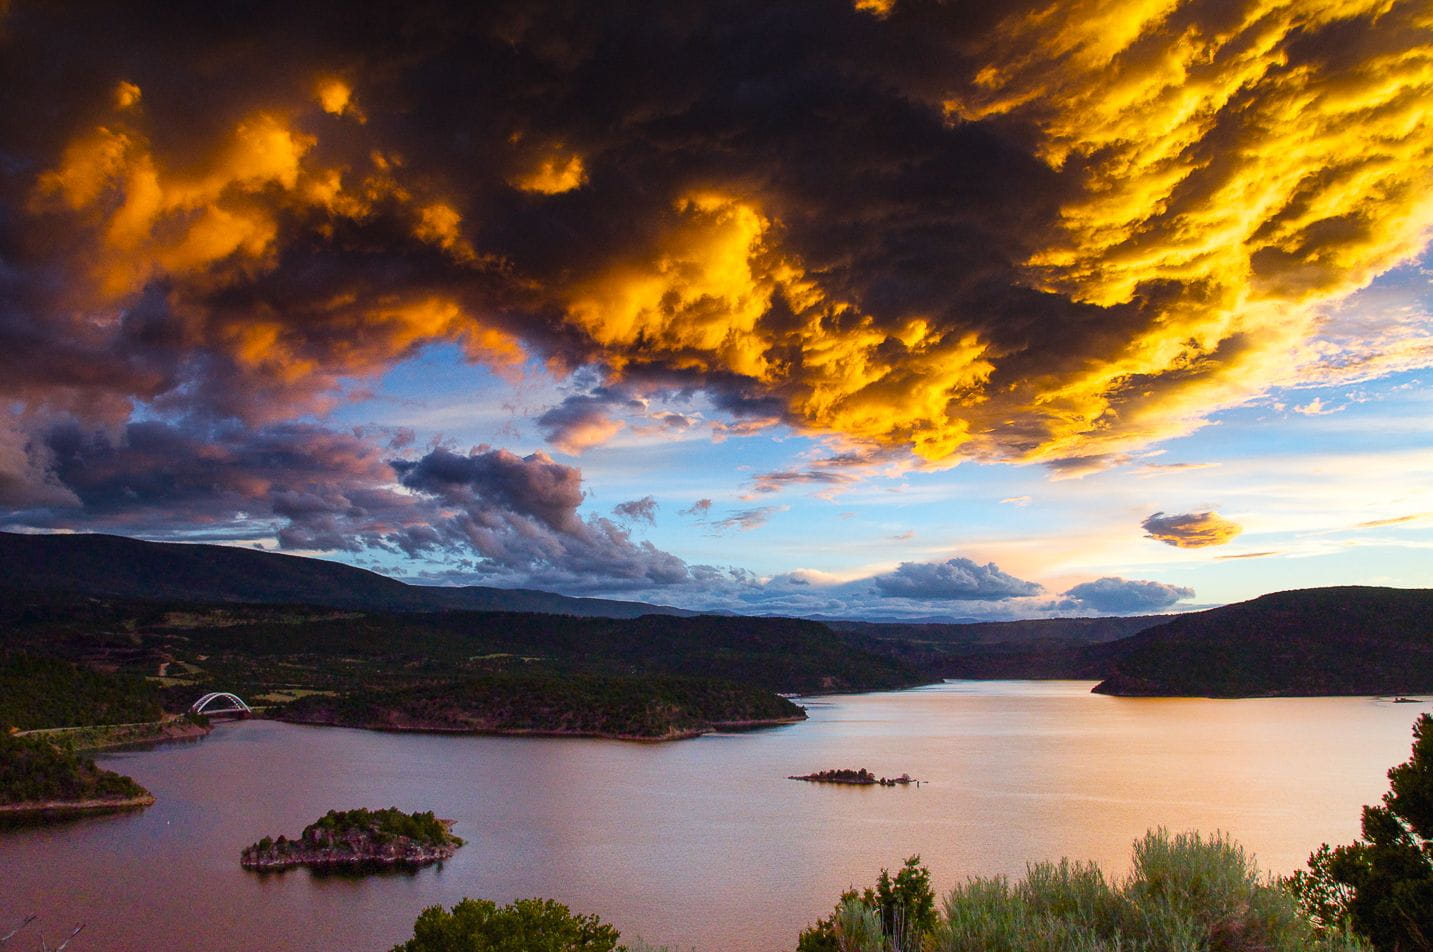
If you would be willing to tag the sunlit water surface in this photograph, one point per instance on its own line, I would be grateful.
(699, 843)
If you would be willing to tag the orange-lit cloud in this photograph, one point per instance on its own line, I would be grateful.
(336, 97)
(1051, 234)
(1239, 170)
(700, 302)
(126, 94)
(1191, 530)
(553, 175)
(135, 220)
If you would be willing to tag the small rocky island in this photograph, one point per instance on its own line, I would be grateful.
(861, 777)
(358, 839)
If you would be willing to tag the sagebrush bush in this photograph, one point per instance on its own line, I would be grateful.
(1185, 893)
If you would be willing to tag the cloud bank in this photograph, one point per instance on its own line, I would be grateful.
(1049, 232)
(1120, 596)
(955, 579)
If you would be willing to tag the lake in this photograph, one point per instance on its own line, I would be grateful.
(700, 843)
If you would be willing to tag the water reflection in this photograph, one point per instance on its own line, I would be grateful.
(701, 842)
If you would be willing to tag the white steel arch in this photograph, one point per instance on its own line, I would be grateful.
(236, 702)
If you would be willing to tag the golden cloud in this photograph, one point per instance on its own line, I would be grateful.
(1191, 530)
(1216, 177)
(699, 302)
(1230, 184)
(1257, 178)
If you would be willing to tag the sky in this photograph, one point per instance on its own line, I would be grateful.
(886, 310)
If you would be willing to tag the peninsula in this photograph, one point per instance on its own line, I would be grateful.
(648, 707)
(38, 779)
(358, 838)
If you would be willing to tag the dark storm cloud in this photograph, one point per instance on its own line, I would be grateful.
(954, 579)
(933, 231)
(520, 514)
(1121, 596)
(318, 489)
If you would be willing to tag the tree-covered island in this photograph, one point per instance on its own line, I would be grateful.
(358, 838)
(861, 777)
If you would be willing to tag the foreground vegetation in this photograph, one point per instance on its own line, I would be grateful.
(1185, 892)
(35, 773)
(1382, 885)
(652, 707)
(527, 925)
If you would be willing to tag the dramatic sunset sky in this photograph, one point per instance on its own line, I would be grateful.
(893, 309)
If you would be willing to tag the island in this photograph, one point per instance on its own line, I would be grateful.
(40, 780)
(861, 777)
(358, 839)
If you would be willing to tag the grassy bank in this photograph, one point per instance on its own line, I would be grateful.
(104, 736)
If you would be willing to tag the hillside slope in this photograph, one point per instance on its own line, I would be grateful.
(110, 566)
(1321, 641)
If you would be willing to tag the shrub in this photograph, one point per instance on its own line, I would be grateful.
(891, 917)
(1382, 886)
(1185, 893)
(527, 925)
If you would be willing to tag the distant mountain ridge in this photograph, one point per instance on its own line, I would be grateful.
(1307, 642)
(120, 567)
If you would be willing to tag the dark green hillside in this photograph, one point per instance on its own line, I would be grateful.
(38, 692)
(33, 771)
(109, 566)
(259, 648)
(1030, 648)
(1321, 641)
(646, 707)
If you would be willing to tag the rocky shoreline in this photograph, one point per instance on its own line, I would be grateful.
(323, 847)
(397, 726)
(62, 808)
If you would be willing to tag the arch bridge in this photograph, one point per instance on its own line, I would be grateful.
(232, 704)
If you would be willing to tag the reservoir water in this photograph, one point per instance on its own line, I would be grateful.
(703, 843)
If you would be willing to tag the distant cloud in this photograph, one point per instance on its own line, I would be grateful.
(580, 423)
(1016, 501)
(903, 536)
(953, 580)
(1122, 596)
(1316, 407)
(637, 510)
(777, 481)
(1191, 530)
(700, 509)
(1249, 555)
(1164, 469)
(1078, 467)
(747, 519)
(1397, 520)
